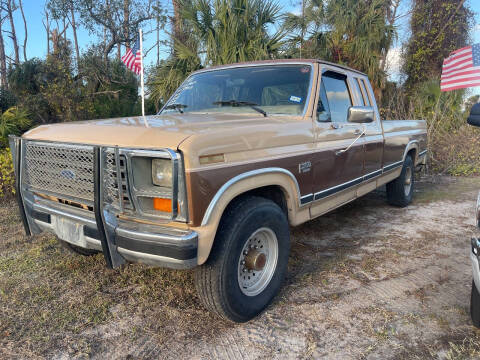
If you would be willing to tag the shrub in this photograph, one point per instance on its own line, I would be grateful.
(7, 178)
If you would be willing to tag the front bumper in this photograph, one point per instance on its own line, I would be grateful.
(474, 254)
(102, 229)
(149, 244)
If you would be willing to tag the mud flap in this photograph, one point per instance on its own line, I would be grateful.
(106, 222)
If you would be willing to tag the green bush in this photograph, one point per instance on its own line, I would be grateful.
(7, 178)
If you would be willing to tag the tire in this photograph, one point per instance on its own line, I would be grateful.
(475, 306)
(400, 190)
(77, 249)
(230, 263)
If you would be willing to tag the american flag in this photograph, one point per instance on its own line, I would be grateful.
(461, 69)
(133, 57)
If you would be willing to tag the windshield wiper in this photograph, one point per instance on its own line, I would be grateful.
(235, 103)
(176, 106)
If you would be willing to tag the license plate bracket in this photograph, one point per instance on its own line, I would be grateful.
(69, 231)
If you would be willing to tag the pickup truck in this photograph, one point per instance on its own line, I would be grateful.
(236, 155)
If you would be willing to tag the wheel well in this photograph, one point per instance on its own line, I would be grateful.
(272, 192)
(412, 153)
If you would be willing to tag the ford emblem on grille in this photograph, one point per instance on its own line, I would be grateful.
(68, 174)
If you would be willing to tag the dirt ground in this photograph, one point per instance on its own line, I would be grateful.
(365, 281)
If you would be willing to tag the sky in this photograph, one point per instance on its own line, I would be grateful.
(37, 38)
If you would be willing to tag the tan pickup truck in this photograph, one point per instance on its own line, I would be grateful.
(212, 182)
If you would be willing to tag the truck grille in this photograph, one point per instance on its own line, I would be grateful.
(66, 171)
(111, 182)
(59, 169)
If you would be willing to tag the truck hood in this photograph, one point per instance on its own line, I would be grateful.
(158, 131)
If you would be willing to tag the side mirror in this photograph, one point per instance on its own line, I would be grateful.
(360, 114)
(474, 117)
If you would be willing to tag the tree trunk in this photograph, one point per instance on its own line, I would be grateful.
(47, 28)
(158, 35)
(178, 33)
(13, 35)
(3, 61)
(26, 31)
(126, 21)
(75, 39)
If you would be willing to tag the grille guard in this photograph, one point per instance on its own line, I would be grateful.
(105, 212)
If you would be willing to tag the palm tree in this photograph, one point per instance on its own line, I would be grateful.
(218, 32)
(351, 32)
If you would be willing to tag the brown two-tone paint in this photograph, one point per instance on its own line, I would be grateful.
(202, 185)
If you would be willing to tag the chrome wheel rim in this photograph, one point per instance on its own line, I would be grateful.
(257, 261)
(408, 180)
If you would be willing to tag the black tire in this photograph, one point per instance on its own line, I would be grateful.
(218, 281)
(475, 306)
(397, 194)
(77, 249)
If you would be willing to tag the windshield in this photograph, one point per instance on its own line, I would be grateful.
(269, 89)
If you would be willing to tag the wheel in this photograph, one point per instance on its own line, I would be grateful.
(77, 249)
(400, 190)
(248, 261)
(475, 306)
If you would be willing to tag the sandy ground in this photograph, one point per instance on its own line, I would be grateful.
(365, 281)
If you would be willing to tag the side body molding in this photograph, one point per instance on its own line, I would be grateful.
(238, 178)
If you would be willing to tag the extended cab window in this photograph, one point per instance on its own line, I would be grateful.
(364, 88)
(338, 95)
(360, 93)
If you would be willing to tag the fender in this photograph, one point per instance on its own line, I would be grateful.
(413, 144)
(241, 184)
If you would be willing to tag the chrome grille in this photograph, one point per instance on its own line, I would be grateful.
(59, 169)
(111, 182)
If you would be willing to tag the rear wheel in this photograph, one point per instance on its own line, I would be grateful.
(248, 261)
(475, 306)
(400, 190)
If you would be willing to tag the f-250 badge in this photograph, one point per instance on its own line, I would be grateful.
(304, 167)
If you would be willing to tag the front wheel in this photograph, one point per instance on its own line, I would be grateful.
(400, 190)
(475, 306)
(248, 261)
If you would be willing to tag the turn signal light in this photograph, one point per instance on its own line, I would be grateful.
(161, 204)
(164, 205)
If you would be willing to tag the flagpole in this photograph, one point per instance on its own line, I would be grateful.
(141, 78)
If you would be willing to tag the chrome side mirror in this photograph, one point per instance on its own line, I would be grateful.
(360, 114)
(474, 117)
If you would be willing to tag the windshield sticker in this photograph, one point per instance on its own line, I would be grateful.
(295, 99)
(305, 69)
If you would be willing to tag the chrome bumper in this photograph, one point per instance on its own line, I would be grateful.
(149, 244)
(102, 230)
(474, 254)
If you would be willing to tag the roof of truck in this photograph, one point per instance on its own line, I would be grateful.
(279, 61)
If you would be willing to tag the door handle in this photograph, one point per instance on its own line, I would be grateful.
(357, 132)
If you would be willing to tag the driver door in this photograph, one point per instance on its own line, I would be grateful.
(335, 173)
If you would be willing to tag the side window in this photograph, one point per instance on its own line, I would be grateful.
(337, 94)
(323, 110)
(367, 95)
(356, 81)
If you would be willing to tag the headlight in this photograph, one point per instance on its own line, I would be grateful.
(162, 172)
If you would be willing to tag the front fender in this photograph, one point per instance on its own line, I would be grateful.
(239, 185)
